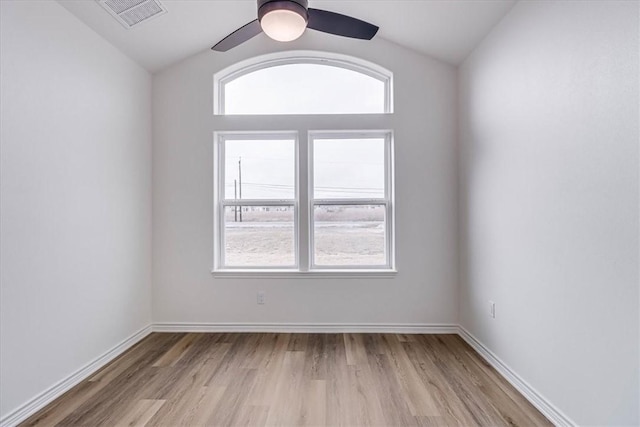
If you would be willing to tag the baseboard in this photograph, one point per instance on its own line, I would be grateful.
(32, 406)
(308, 328)
(553, 414)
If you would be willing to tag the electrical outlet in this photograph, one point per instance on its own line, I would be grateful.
(262, 297)
(492, 309)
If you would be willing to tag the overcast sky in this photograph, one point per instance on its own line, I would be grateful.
(352, 168)
(304, 89)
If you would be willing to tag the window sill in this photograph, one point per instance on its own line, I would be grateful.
(293, 274)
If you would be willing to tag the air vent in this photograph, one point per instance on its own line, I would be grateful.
(131, 13)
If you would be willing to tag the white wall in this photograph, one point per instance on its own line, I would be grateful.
(424, 290)
(549, 202)
(75, 200)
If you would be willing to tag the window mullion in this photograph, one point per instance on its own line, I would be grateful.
(304, 181)
(218, 195)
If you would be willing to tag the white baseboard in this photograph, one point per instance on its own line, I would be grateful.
(553, 414)
(32, 406)
(308, 328)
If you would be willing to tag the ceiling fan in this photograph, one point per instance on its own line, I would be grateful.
(286, 20)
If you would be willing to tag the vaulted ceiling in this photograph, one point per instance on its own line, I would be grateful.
(444, 29)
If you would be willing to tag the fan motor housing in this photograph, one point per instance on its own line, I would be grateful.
(298, 6)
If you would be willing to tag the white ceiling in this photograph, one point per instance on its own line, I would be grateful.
(444, 29)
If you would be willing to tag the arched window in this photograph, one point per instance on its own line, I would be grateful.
(303, 194)
(303, 84)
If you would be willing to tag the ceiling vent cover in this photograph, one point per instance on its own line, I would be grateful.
(133, 12)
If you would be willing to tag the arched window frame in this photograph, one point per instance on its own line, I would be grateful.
(305, 129)
(233, 72)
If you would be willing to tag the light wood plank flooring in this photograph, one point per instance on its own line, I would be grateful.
(294, 379)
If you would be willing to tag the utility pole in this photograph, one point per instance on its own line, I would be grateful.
(240, 183)
(235, 197)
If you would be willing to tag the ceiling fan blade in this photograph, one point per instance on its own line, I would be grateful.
(341, 25)
(239, 36)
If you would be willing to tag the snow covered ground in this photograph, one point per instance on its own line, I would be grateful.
(271, 244)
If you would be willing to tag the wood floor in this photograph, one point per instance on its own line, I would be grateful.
(294, 379)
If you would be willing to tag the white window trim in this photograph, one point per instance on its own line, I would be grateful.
(221, 78)
(312, 274)
(303, 196)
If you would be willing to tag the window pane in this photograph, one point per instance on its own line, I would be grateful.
(348, 168)
(259, 236)
(349, 235)
(259, 169)
(304, 89)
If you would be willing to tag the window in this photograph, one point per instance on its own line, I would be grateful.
(304, 84)
(258, 227)
(351, 189)
(303, 200)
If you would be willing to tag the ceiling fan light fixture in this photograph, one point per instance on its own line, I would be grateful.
(283, 25)
(283, 20)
